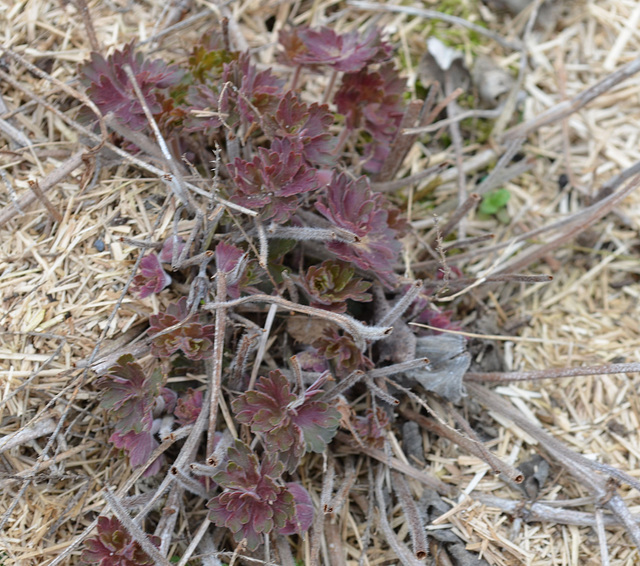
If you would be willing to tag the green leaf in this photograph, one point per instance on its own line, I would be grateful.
(493, 201)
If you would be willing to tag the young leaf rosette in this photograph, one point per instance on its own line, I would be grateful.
(289, 424)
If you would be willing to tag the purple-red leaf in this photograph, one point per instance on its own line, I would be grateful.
(111, 90)
(254, 501)
(189, 407)
(353, 206)
(166, 255)
(289, 424)
(348, 52)
(331, 283)
(139, 447)
(130, 394)
(190, 335)
(307, 125)
(113, 546)
(343, 352)
(371, 427)
(272, 181)
(374, 102)
(303, 517)
(152, 278)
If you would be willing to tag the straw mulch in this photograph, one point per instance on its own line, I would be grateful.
(63, 265)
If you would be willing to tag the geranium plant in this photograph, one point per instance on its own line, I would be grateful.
(290, 221)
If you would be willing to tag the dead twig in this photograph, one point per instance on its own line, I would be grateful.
(578, 466)
(552, 373)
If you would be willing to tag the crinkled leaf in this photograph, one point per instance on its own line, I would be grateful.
(353, 206)
(253, 502)
(289, 424)
(190, 335)
(111, 90)
(113, 546)
(318, 422)
(272, 181)
(152, 277)
(303, 517)
(189, 407)
(139, 447)
(306, 124)
(130, 395)
(348, 52)
(331, 283)
(343, 352)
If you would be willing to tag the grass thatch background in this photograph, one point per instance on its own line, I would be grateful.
(58, 292)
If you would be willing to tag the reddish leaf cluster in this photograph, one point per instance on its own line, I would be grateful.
(331, 283)
(343, 352)
(273, 180)
(132, 397)
(371, 427)
(111, 90)
(353, 206)
(254, 500)
(289, 424)
(113, 546)
(241, 94)
(152, 277)
(188, 407)
(348, 52)
(373, 101)
(176, 329)
(307, 126)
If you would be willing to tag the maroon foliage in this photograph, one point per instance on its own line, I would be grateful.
(353, 206)
(272, 182)
(348, 52)
(139, 446)
(371, 427)
(253, 501)
(331, 283)
(374, 102)
(306, 124)
(288, 423)
(130, 395)
(241, 94)
(343, 352)
(152, 278)
(303, 517)
(112, 91)
(189, 407)
(166, 255)
(190, 335)
(113, 546)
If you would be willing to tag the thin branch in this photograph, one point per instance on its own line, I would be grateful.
(411, 512)
(396, 464)
(216, 361)
(52, 179)
(552, 373)
(400, 550)
(567, 107)
(472, 446)
(469, 204)
(577, 465)
(596, 213)
(541, 511)
(177, 182)
(602, 539)
(88, 24)
(359, 331)
(133, 529)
